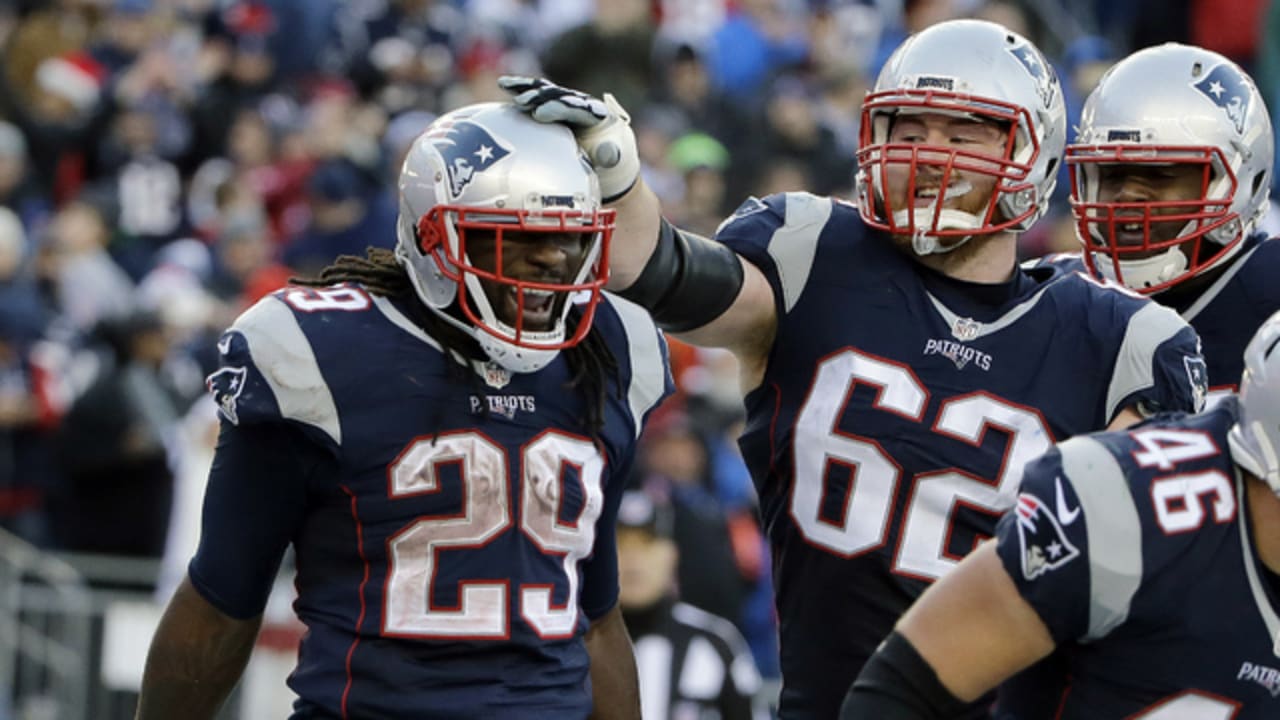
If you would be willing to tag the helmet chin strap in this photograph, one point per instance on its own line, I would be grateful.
(509, 355)
(1145, 272)
(923, 243)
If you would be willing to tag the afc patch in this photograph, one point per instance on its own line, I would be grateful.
(226, 385)
(1043, 544)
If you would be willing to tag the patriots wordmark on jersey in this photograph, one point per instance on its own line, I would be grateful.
(899, 408)
(452, 523)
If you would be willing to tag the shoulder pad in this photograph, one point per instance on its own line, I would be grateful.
(269, 371)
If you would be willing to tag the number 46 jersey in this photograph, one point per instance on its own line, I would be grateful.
(452, 525)
(898, 410)
(1136, 551)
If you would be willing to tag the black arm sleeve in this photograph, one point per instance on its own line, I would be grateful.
(898, 684)
(688, 281)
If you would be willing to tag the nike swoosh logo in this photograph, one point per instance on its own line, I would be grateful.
(1065, 516)
(224, 345)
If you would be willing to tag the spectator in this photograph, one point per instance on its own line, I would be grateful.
(346, 217)
(66, 115)
(613, 52)
(30, 402)
(88, 286)
(112, 446)
(19, 190)
(702, 162)
(676, 469)
(792, 131)
(758, 39)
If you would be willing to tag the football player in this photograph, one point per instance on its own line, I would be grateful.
(1171, 174)
(442, 435)
(899, 368)
(1149, 557)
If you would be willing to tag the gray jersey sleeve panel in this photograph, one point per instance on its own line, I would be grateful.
(794, 245)
(645, 347)
(284, 356)
(1114, 532)
(1148, 328)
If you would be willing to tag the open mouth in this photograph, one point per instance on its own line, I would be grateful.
(1129, 233)
(1134, 232)
(956, 189)
(538, 307)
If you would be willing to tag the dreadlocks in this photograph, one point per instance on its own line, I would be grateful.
(591, 363)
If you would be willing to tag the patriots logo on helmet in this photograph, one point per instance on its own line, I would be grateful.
(1035, 66)
(1044, 545)
(467, 149)
(1229, 90)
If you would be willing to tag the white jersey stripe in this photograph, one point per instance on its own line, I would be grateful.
(794, 245)
(983, 329)
(1150, 326)
(1114, 532)
(287, 362)
(647, 349)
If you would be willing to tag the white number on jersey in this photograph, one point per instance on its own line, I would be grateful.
(1182, 501)
(1191, 705)
(341, 297)
(1164, 447)
(820, 444)
(483, 607)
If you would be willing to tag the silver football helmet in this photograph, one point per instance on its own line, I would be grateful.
(490, 168)
(972, 69)
(1171, 105)
(1255, 438)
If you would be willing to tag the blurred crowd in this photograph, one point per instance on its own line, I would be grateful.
(165, 163)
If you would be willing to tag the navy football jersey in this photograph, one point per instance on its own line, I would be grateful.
(452, 524)
(1135, 550)
(1226, 313)
(898, 409)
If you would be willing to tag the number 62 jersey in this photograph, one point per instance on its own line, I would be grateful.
(452, 525)
(1136, 551)
(898, 409)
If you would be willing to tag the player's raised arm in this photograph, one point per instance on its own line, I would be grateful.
(694, 287)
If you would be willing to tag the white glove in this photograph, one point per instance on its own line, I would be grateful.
(602, 127)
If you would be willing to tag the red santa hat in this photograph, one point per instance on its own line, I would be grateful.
(76, 76)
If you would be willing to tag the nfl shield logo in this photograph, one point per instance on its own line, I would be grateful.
(495, 376)
(965, 329)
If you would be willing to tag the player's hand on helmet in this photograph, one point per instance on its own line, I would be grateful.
(602, 127)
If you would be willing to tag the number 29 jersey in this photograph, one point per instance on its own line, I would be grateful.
(898, 409)
(452, 525)
(1135, 549)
